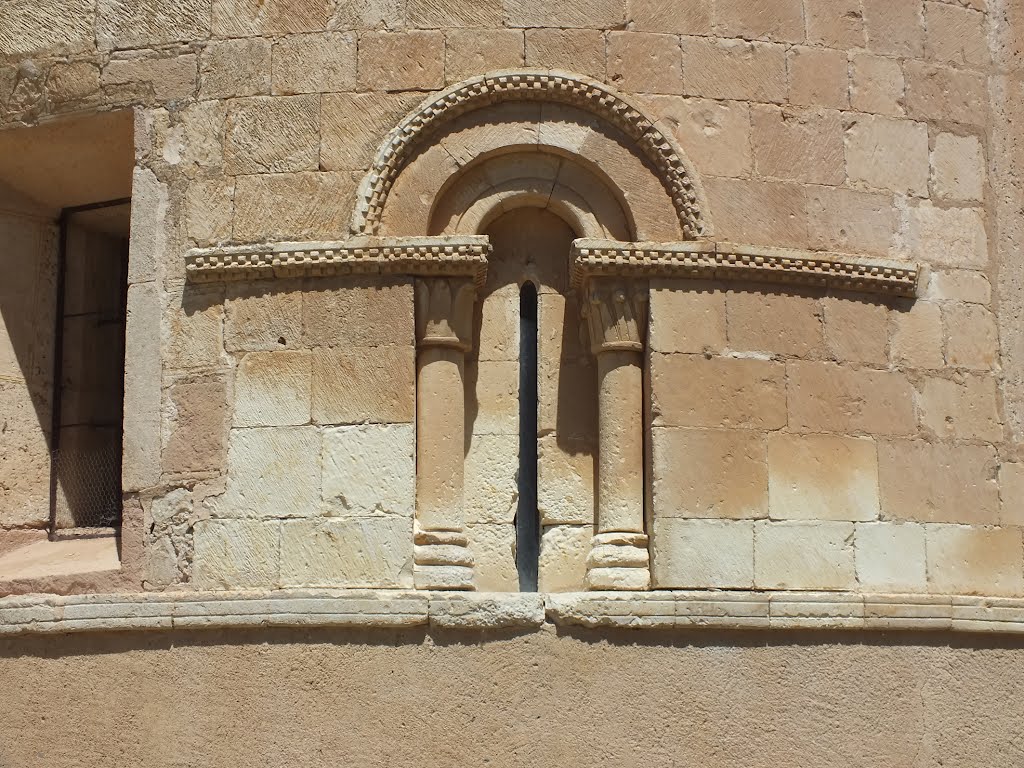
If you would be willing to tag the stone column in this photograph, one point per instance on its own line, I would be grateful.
(617, 315)
(444, 325)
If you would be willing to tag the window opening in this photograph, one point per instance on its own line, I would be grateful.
(527, 516)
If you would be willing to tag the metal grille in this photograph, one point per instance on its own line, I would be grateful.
(87, 481)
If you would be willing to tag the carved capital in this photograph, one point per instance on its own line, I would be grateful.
(444, 312)
(616, 312)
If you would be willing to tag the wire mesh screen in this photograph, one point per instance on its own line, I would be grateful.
(87, 478)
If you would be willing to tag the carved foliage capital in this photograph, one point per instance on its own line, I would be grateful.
(616, 312)
(444, 312)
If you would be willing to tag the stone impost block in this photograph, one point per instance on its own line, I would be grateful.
(961, 410)
(369, 470)
(975, 561)
(358, 552)
(891, 557)
(734, 69)
(687, 318)
(364, 384)
(316, 63)
(272, 389)
(277, 134)
(888, 154)
(807, 555)
(401, 61)
(236, 554)
(272, 472)
(717, 554)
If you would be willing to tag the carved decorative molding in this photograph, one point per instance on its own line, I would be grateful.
(419, 256)
(728, 261)
(444, 312)
(616, 312)
(539, 85)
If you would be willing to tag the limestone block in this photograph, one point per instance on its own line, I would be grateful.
(950, 237)
(835, 23)
(73, 84)
(273, 134)
(174, 506)
(591, 14)
(938, 482)
(877, 85)
(272, 389)
(193, 334)
(691, 391)
(272, 472)
(1011, 494)
(851, 221)
(27, 26)
(364, 384)
(975, 561)
(171, 78)
(571, 50)
(121, 24)
(499, 325)
(780, 20)
(25, 459)
(440, 14)
(357, 311)
(644, 61)
(958, 285)
(494, 550)
(713, 473)
(370, 470)
(196, 427)
(230, 69)
(955, 35)
(818, 77)
(209, 207)
(265, 206)
(775, 323)
(972, 339)
(491, 492)
(822, 477)
(142, 396)
(856, 331)
(562, 331)
(798, 145)
(824, 397)
(492, 391)
(958, 168)
(716, 134)
(361, 552)
(194, 144)
(352, 126)
(687, 317)
(262, 317)
(369, 14)
(891, 557)
(315, 63)
(917, 336)
(401, 61)
(236, 554)
(805, 555)
(895, 29)
(468, 52)
(964, 409)
(254, 18)
(888, 154)
(565, 481)
(563, 557)
(567, 391)
(943, 93)
(477, 611)
(700, 554)
(759, 212)
(733, 69)
(148, 238)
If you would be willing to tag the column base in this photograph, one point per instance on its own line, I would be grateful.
(442, 560)
(619, 561)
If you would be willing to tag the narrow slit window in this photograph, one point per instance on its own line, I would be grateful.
(527, 518)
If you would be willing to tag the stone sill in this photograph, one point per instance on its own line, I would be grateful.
(53, 614)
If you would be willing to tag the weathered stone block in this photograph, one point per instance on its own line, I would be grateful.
(975, 561)
(469, 52)
(835, 23)
(959, 285)
(364, 384)
(357, 311)
(262, 318)
(272, 472)
(25, 460)
(315, 63)
(565, 481)
(363, 552)
(691, 391)
(958, 168)
(955, 35)
(811, 555)
(209, 208)
(272, 389)
(572, 50)
(781, 20)
(687, 317)
(961, 410)
(170, 78)
(370, 470)
(775, 323)
(856, 331)
(951, 237)
(27, 26)
(798, 145)
(824, 397)
(265, 206)
(492, 398)
(716, 134)
(711, 473)
(73, 84)
(822, 477)
(917, 336)
(702, 554)
(691, 18)
(441, 14)
(563, 558)
(369, 14)
(254, 18)
(877, 85)
(236, 554)
(491, 492)
(593, 14)
(888, 154)
(891, 557)
(194, 144)
(942, 93)
(197, 436)
(229, 69)
(142, 395)
(759, 212)
(494, 552)
(273, 134)
(818, 77)
(644, 61)
(193, 329)
(567, 391)
(1011, 494)
(733, 69)
(125, 24)
(895, 29)
(352, 126)
(851, 221)
(401, 61)
(937, 482)
(972, 339)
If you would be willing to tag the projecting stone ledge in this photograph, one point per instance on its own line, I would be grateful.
(386, 609)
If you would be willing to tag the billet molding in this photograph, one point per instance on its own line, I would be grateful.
(528, 85)
(709, 260)
(419, 257)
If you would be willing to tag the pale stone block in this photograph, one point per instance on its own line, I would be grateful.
(702, 554)
(759, 212)
(571, 50)
(944, 94)
(492, 391)
(562, 331)
(272, 472)
(937, 482)
(644, 61)
(975, 561)
(775, 323)
(73, 84)
(856, 331)
(357, 311)
(734, 69)
(781, 20)
(28, 26)
(958, 168)
(972, 339)
(917, 336)
(955, 35)
(147, 240)
(949, 237)
(352, 126)
(877, 85)
(230, 69)
(822, 477)
(835, 23)
(362, 552)
(193, 328)
(441, 14)
(491, 466)
(195, 143)
(315, 63)
(891, 557)
(140, 467)
(251, 18)
(798, 145)
(565, 481)
(591, 14)
(709, 473)
(963, 409)
(567, 391)
(824, 397)
(959, 285)
(690, 18)
(1011, 494)
(272, 389)
(888, 154)
(895, 29)
(196, 428)
(716, 134)
(370, 470)
(469, 52)
(401, 61)
(851, 221)
(807, 555)
(691, 391)
(687, 317)
(122, 24)
(273, 134)
(260, 319)
(494, 551)
(563, 558)
(369, 14)
(818, 77)
(209, 209)
(364, 384)
(265, 206)
(236, 554)
(171, 78)
(499, 326)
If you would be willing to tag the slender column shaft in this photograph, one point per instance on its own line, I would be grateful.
(620, 491)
